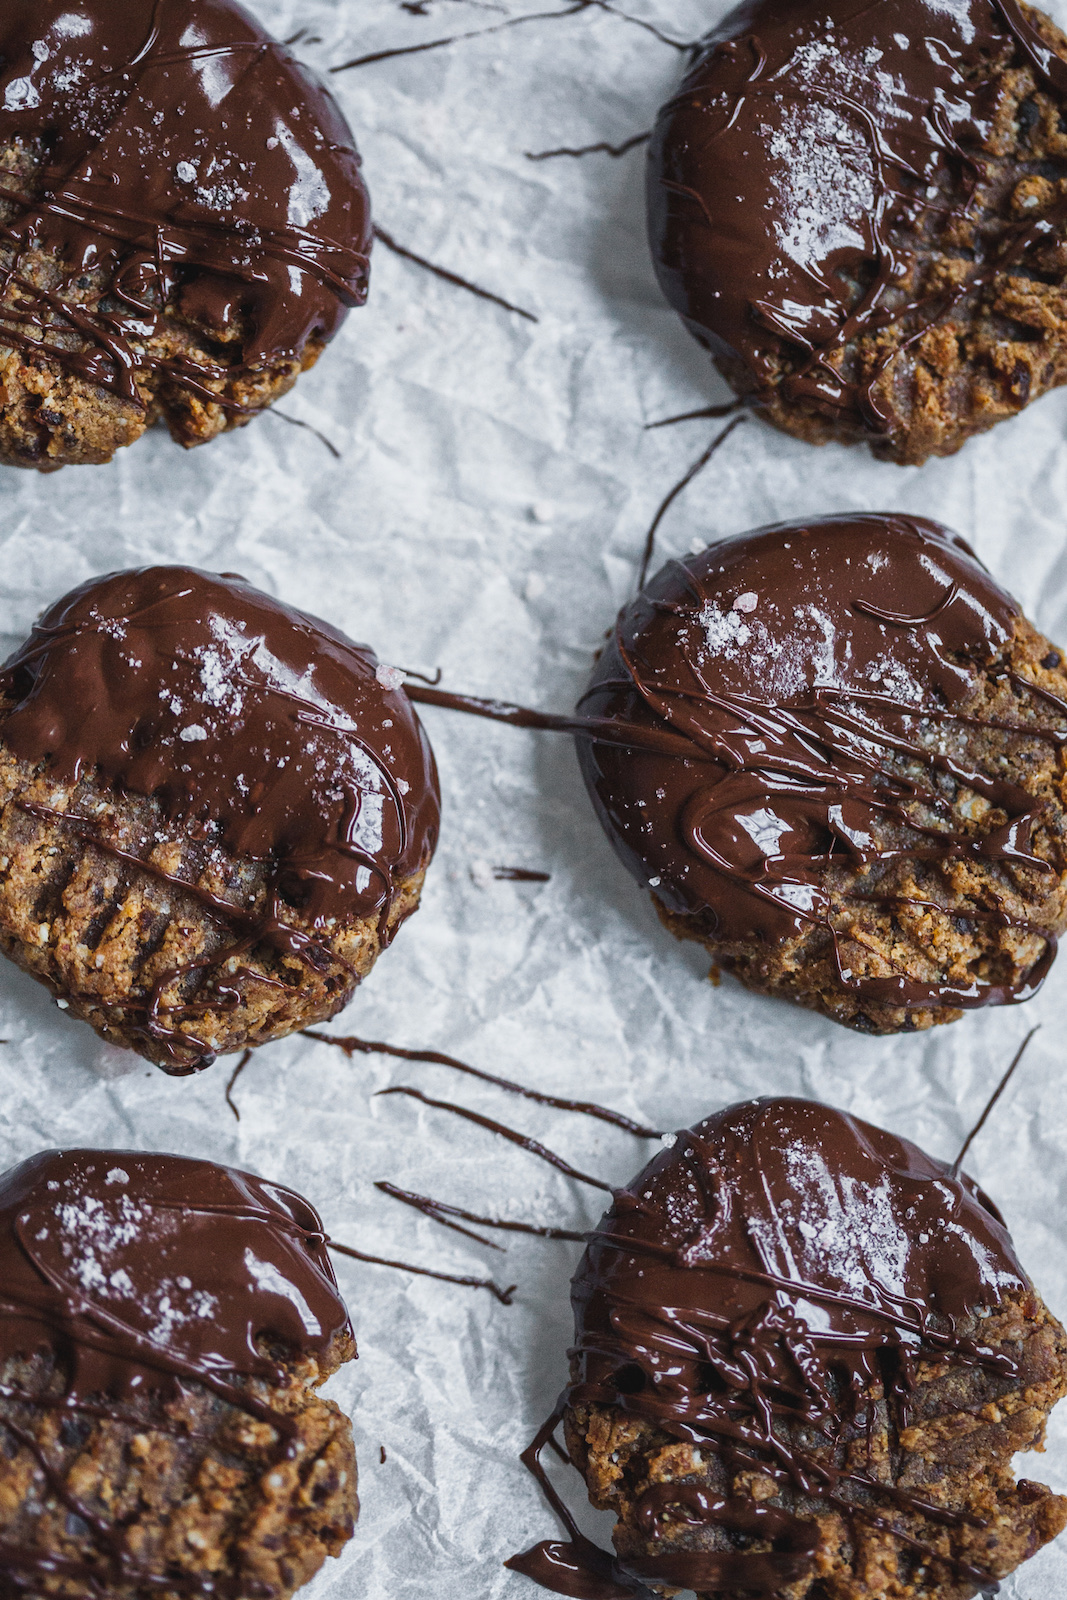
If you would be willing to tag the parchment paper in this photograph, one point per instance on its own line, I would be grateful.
(486, 514)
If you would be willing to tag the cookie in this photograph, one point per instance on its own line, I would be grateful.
(166, 1325)
(805, 1354)
(833, 751)
(860, 211)
(183, 224)
(215, 812)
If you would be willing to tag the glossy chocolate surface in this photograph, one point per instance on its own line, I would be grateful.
(820, 674)
(263, 725)
(192, 160)
(757, 1280)
(135, 1276)
(811, 153)
(136, 1271)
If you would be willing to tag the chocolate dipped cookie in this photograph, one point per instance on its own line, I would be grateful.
(183, 224)
(166, 1324)
(215, 812)
(833, 752)
(805, 1353)
(861, 211)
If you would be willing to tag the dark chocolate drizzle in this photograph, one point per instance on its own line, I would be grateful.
(447, 276)
(761, 1278)
(140, 1273)
(682, 484)
(264, 726)
(587, 1108)
(440, 1211)
(523, 1140)
(601, 147)
(817, 672)
(190, 161)
(807, 153)
(505, 1296)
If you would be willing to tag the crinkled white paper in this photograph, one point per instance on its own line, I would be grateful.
(486, 514)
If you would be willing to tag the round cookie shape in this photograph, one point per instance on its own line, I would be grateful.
(858, 211)
(779, 1325)
(864, 811)
(233, 803)
(166, 1323)
(183, 224)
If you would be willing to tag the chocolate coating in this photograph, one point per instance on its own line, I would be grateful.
(271, 746)
(238, 711)
(138, 1271)
(812, 158)
(821, 675)
(192, 159)
(750, 1288)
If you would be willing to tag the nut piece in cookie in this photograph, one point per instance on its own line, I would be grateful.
(166, 1325)
(861, 212)
(215, 812)
(838, 764)
(805, 1354)
(183, 225)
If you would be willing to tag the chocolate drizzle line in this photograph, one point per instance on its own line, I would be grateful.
(521, 1139)
(520, 875)
(186, 160)
(439, 1211)
(587, 1108)
(671, 496)
(246, 1057)
(448, 276)
(108, 1260)
(823, 674)
(725, 410)
(863, 172)
(600, 148)
(710, 1306)
(296, 422)
(991, 1102)
(503, 1295)
(265, 728)
(513, 22)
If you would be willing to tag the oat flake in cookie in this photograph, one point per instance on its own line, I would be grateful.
(182, 223)
(805, 1354)
(215, 812)
(861, 211)
(166, 1323)
(837, 762)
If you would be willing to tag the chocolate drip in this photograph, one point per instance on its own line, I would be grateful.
(503, 1295)
(520, 875)
(448, 276)
(755, 1286)
(587, 1108)
(511, 1134)
(438, 1211)
(136, 1274)
(600, 148)
(800, 171)
(180, 158)
(823, 676)
(264, 728)
(683, 483)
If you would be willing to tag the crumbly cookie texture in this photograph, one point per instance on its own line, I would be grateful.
(953, 1450)
(51, 416)
(183, 1493)
(1002, 344)
(106, 932)
(945, 926)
